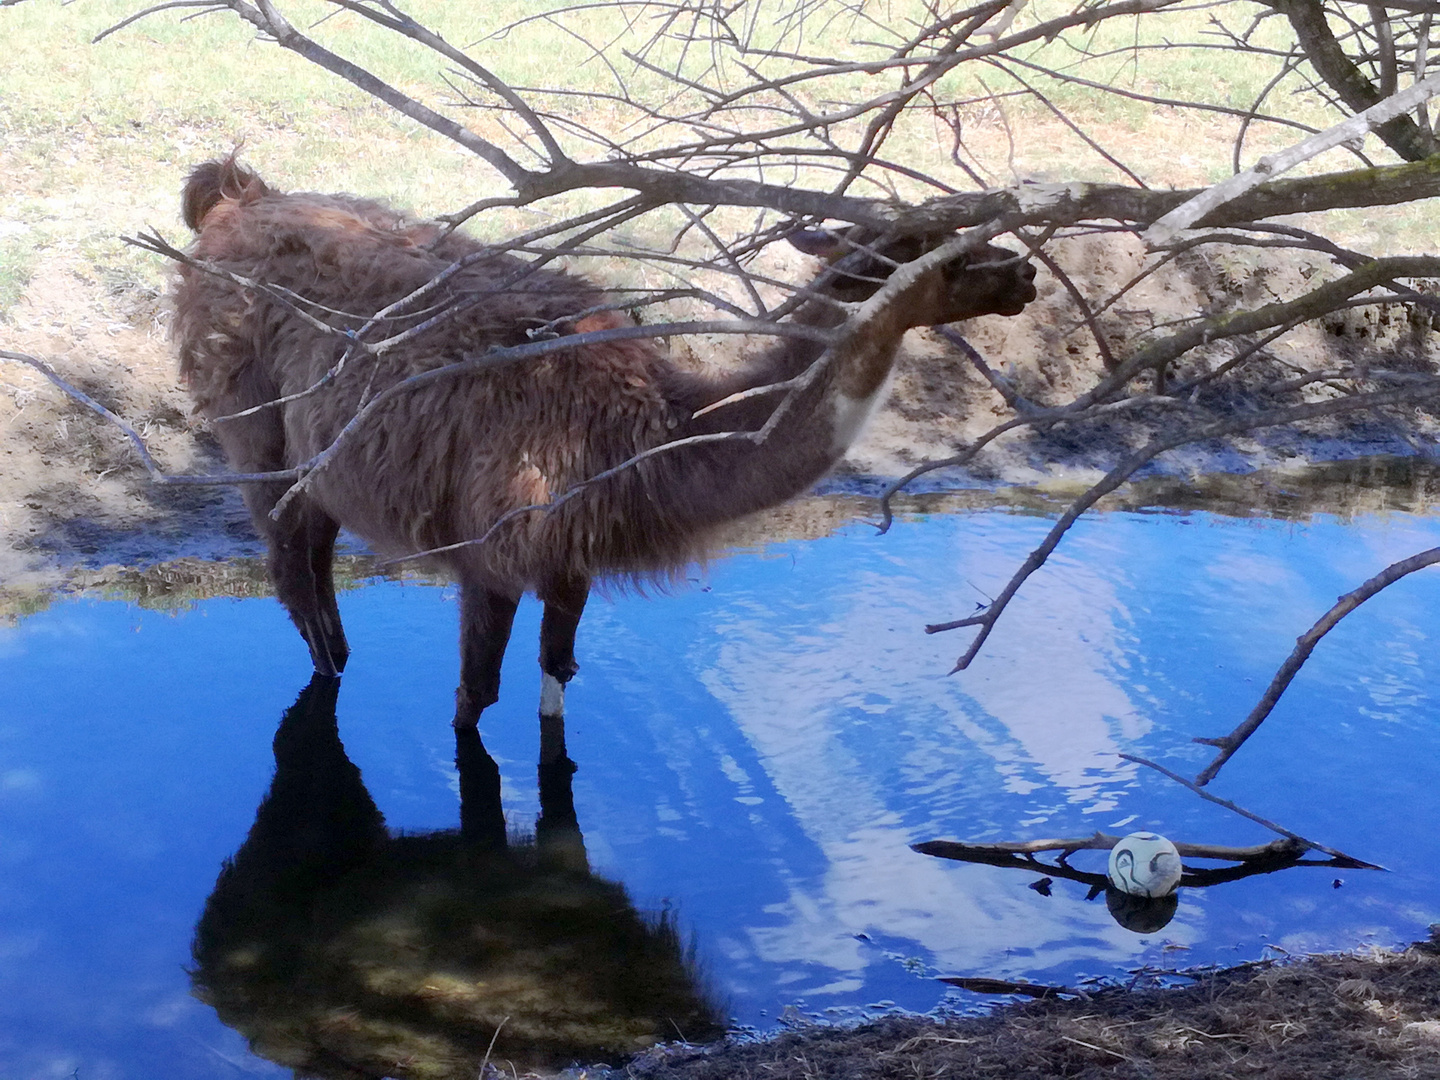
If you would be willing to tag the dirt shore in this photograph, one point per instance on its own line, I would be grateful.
(1357, 1016)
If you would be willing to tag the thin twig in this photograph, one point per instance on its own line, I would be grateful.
(578, 489)
(1228, 805)
(1304, 646)
(1134, 462)
(999, 384)
(310, 470)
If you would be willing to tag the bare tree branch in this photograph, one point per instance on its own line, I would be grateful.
(1250, 861)
(264, 16)
(1182, 217)
(208, 5)
(1134, 462)
(1304, 646)
(1325, 54)
(1099, 841)
(1296, 837)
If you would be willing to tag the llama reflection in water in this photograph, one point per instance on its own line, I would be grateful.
(339, 949)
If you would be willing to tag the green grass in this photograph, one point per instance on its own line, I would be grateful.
(17, 260)
(163, 85)
(95, 139)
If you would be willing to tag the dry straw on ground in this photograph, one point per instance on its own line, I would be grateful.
(1361, 1017)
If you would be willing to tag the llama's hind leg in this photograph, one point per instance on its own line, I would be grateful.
(564, 600)
(485, 620)
(302, 547)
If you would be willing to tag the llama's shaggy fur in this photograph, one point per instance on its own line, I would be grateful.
(441, 463)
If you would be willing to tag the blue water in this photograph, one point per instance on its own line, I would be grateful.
(756, 753)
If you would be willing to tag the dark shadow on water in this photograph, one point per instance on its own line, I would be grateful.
(340, 949)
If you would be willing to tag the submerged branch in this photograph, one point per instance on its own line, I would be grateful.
(1006, 986)
(1099, 841)
(1248, 861)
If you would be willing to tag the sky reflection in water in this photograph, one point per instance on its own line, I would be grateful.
(756, 755)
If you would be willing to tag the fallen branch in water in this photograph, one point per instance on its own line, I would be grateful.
(1249, 861)
(954, 849)
(1005, 986)
(1304, 646)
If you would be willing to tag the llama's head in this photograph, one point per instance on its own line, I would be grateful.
(990, 280)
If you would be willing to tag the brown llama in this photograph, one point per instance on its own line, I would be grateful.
(440, 464)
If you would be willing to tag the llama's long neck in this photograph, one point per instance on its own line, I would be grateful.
(822, 417)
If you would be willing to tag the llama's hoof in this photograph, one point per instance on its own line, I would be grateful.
(327, 663)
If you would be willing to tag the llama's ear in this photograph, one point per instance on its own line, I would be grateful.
(822, 243)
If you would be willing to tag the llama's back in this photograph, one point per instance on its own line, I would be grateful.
(345, 259)
(441, 463)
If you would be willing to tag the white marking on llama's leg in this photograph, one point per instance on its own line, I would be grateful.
(552, 695)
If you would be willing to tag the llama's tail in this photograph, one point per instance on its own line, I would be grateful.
(212, 181)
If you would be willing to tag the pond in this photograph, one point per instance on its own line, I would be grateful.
(756, 754)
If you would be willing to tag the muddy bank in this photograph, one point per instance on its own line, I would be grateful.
(1360, 1016)
(210, 550)
(72, 494)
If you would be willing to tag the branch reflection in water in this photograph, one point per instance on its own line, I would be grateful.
(341, 949)
(1142, 914)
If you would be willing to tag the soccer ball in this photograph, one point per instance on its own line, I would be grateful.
(1144, 864)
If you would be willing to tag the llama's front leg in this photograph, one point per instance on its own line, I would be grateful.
(557, 829)
(564, 601)
(485, 620)
(322, 531)
(302, 547)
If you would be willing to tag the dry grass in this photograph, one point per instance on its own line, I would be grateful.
(94, 139)
(1361, 1017)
